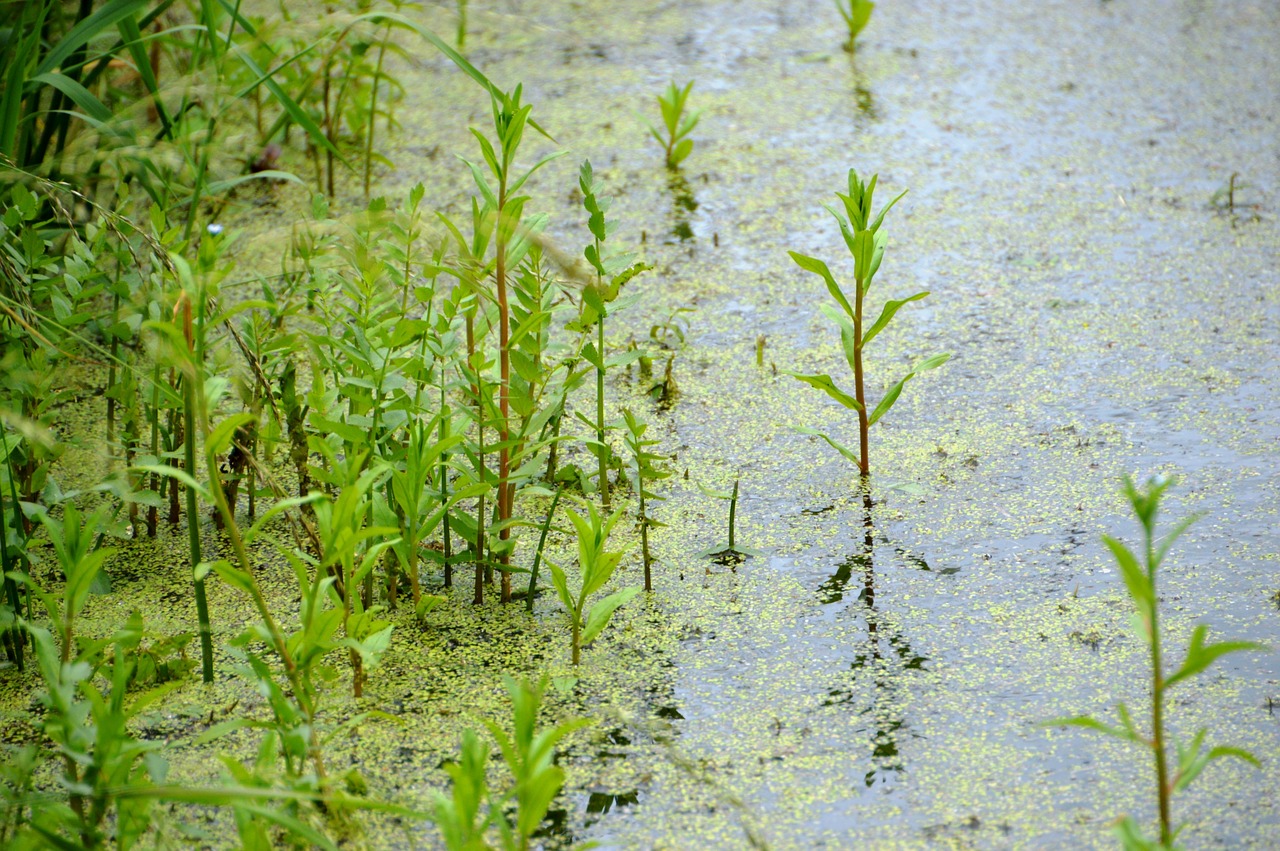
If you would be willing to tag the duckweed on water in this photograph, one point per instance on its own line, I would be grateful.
(824, 692)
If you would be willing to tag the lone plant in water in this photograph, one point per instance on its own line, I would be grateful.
(1140, 581)
(597, 565)
(676, 123)
(856, 14)
(866, 244)
(730, 553)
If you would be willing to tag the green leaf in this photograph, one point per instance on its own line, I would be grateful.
(846, 452)
(1135, 579)
(681, 151)
(602, 611)
(1089, 724)
(561, 584)
(1201, 655)
(896, 390)
(220, 437)
(81, 96)
(824, 383)
(890, 308)
(101, 20)
(812, 264)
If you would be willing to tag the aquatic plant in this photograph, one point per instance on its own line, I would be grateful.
(596, 565)
(731, 552)
(472, 808)
(677, 124)
(87, 725)
(866, 244)
(643, 471)
(856, 14)
(599, 300)
(1139, 574)
(511, 240)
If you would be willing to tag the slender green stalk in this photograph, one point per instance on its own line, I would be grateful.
(602, 448)
(373, 112)
(537, 558)
(733, 513)
(859, 381)
(193, 512)
(1163, 787)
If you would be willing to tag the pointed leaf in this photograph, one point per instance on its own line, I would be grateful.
(812, 264)
(602, 611)
(890, 308)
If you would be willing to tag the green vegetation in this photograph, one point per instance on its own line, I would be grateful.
(677, 124)
(597, 566)
(866, 244)
(1139, 574)
(274, 417)
(856, 14)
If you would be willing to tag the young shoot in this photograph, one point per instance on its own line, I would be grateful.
(676, 124)
(599, 300)
(866, 243)
(731, 552)
(1140, 581)
(597, 566)
(856, 14)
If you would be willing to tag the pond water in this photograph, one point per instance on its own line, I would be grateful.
(875, 675)
(1106, 313)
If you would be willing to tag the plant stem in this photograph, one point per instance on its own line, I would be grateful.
(733, 512)
(193, 512)
(505, 490)
(477, 389)
(644, 541)
(1157, 699)
(373, 113)
(602, 451)
(858, 384)
(537, 557)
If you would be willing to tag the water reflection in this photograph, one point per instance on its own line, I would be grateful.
(683, 205)
(883, 657)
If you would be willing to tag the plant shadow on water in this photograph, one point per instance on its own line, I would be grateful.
(683, 205)
(887, 670)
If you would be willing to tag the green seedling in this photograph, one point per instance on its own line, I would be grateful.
(597, 566)
(1140, 582)
(677, 124)
(866, 243)
(472, 808)
(856, 14)
(730, 553)
(599, 300)
(642, 471)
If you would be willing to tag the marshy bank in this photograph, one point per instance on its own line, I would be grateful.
(1091, 204)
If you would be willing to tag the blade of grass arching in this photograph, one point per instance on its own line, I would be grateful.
(248, 90)
(296, 112)
(104, 60)
(134, 42)
(78, 94)
(105, 18)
